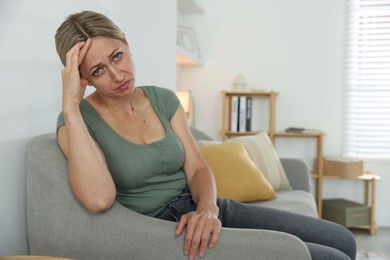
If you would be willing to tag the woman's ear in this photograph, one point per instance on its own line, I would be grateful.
(84, 82)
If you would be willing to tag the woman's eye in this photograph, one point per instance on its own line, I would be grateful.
(97, 72)
(117, 56)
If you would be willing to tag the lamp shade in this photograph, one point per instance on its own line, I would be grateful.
(186, 102)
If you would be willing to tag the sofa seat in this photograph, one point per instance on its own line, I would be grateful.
(296, 201)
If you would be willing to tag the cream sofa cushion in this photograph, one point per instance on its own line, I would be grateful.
(263, 154)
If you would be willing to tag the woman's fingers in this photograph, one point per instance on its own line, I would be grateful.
(208, 237)
(202, 231)
(216, 231)
(72, 56)
(181, 225)
(83, 50)
(205, 238)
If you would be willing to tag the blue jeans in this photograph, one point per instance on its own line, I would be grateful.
(324, 239)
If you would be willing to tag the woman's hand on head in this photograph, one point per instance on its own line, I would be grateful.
(73, 84)
(202, 231)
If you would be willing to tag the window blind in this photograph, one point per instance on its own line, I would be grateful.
(367, 96)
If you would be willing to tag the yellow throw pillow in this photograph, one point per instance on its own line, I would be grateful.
(236, 175)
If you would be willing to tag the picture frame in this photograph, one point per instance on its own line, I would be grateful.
(186, 39)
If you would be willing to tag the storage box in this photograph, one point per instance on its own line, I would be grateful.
(345, 212)
(345, 167)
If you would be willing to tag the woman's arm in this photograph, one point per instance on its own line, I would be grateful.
(203, 223)
(89, 177)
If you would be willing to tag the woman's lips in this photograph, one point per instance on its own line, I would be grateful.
(124, 86)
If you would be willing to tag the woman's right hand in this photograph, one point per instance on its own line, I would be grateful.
(73, 84)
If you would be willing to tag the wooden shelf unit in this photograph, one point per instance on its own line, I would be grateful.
(271, 95)
(369, 180)
(319, 166)
(227, 110)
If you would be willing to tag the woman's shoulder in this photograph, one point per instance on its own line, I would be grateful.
(157, 94)
(86, 107)
(162, 98)
(156, 90)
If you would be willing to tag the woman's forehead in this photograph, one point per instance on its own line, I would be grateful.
(103, 45)
(101, 48)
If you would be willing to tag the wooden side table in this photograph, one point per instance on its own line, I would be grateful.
(317, 175)
(369, 180)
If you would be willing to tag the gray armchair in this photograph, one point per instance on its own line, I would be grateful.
(59, 226)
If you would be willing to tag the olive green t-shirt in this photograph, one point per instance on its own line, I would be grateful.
(147, 176)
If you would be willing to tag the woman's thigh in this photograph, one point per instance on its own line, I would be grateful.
(308, 229)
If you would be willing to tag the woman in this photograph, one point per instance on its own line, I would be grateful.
(132, 144)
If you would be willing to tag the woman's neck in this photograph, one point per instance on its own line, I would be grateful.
(127, 103)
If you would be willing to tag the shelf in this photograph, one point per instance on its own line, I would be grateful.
(231, 133)
(363, 177)
(369, 193)
(288, 134)
(186, 58)
(190, 7)
(227, 97)
(249, 93)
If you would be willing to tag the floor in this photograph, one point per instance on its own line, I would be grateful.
(380, 242)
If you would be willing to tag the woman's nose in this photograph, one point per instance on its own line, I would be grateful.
(116, 74)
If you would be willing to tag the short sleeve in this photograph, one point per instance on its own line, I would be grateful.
(164, 99)
(60, 120)
(172, 103)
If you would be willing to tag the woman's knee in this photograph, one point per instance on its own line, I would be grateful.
(342, 239)
(349, 241)
(320, 252)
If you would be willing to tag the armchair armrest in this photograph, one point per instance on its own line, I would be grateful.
(123, 234)
(298, 173)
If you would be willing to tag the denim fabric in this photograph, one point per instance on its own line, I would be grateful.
(324, 239)
(174, 210)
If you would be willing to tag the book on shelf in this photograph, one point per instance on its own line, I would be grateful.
(241, 114)
(235, 113)
(248, 113)
(302, 130)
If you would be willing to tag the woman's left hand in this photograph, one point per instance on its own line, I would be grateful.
(203, 230)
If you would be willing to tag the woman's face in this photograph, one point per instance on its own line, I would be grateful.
(108, 66)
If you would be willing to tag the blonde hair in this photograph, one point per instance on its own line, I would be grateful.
(81, 26)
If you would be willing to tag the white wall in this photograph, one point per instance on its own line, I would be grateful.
(293, 47)
(30, 82)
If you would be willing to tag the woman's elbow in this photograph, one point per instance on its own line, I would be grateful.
(99, 205)
(99, 202)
